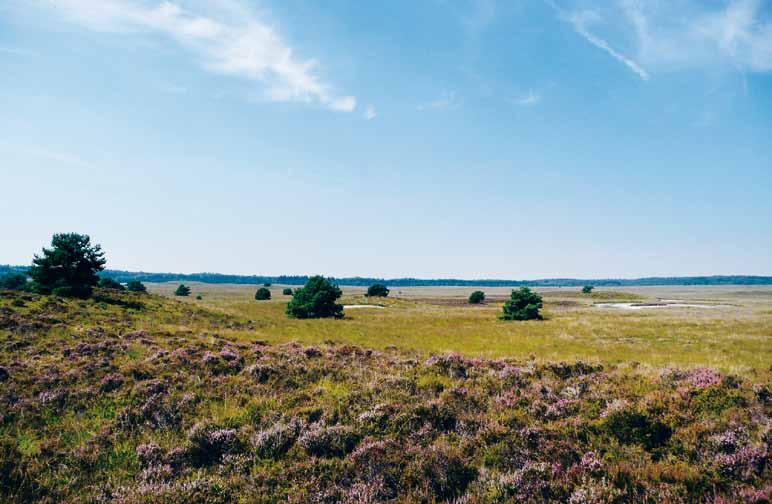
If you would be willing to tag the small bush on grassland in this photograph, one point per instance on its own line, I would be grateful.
(377, 290)
(587, 289)
(182, 290)
(109, 283)
(286, 291)
(262, 294)
(135, 286)
(476, 297)
(522, 305)
(316, 300)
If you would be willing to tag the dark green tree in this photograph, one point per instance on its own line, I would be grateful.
(267, 284)
(587, 289)
(262, 294)
(316, 300)
(69, 267)
(109, 283)
(287, 291)
(182, 290)
(13, 281)
(476, 297)
(377, 290)
(136, 286)
(522, 305)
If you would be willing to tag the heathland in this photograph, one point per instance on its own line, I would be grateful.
(147, 397)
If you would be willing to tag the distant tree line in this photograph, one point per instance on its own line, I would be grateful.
(217, 278)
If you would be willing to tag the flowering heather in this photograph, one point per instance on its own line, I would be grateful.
(166, 403)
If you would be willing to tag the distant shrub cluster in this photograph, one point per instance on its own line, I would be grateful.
(262, 294)
(287, 291)
(587, 289)
(135, 286)
(109, 283)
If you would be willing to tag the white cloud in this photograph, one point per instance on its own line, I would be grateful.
(581, 20)
(678, 35)
(447, 99)
(370, 113)
(228, 38)
(529, 99)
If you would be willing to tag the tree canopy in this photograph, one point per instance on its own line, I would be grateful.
(69, 267)
(287, 291)
(262, 294)
(316, 300)
(377, 290)
(476, 297)
(523, 304)
(587, 289)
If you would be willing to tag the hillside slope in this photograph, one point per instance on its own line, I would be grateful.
(137, 398)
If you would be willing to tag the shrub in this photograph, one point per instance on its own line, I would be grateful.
(262, 294)
(182, 290)
(69, 267)
(522, 305)
(630, 426)
(377, 290)
(587, 289)
(287, 291)
(334, 441)
(476, 297)
(136, 286)
(13, 281)
(199, 297)
(267, 284)
(109, 283)
(209, 442)
(315, 300)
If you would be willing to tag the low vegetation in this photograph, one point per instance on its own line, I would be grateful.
(263, 294)
(136, 286)
(286, 291)
(587, 289)
(135, 398)
(377, 290)
(476, 297)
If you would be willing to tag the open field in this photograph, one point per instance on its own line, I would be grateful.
(734, 337)
(140, 398)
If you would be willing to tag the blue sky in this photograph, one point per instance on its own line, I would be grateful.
(429, 138)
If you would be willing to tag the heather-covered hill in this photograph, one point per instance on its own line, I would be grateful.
(137, 398)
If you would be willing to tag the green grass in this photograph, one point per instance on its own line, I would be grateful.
(735, 339)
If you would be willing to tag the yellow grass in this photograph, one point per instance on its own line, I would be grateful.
(735, 338)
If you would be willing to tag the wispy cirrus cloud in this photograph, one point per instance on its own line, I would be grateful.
(226, 36)
(530, 99)
(676, 35)
(581, 21)
(446, 100)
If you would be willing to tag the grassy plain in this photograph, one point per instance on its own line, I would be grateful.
(735, 336)
(147, 399)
